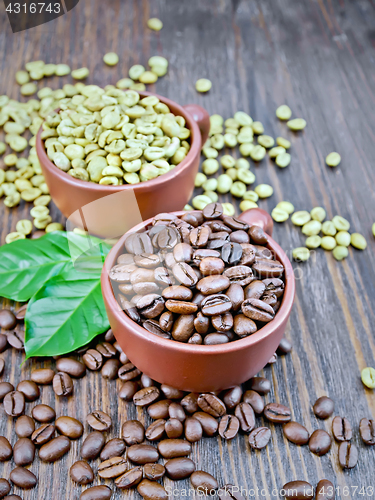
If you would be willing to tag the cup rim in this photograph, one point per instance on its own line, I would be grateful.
(204, 350)
(150, 185)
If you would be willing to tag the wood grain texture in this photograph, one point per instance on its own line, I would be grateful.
(318, 57)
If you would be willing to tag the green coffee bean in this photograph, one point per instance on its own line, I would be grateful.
(61, 161)
(28, 89)
(283, 112)
(49, 69)
(251, 196)
(257, 153)
(200, 201)
(131, 178)
(12, 200)
(80, 74)
(313, 241)
(24, 226)
(10, 160)
(43, 200)
(217, 141)
(301, 254)
(188, 207)
(340, 252)
(9, 238)
(284, 143)
(266, 141)
(203, 85)
(39, 211)
(258, 128)
(328, 242)
(154, 24)
(318, 213)
(233, 131)
(210, 185)
(333, 159)
(62, 69)
(210, 152)
(232, 172)
(158, 61)
(243, 118)
(216, 120)
(242, 163)
(136, 71)
(312, 228)
(286, 206)
(228, 209)
(296, 124)
(227, 161)
(246, 148)
(264, 190)
(328, 228)
(340, 223)
(42, 222)
(358, 241)
(279, 215)
(33, 65)
(238, 189)
(283, 160)
(124, 83)
(210, 166)
(368, 377)
(246, 176)
(301, 218)
(343, 238)
(277, 150)
(224, 183)
(148, 77)
(247, 205)
(212, 195)
(111, 58)
(22, 77)
(31, 194)
(139, 86)
(54, 226)
(230, 140)
(245, 136)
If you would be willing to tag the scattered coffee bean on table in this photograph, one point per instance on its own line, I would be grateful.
(348, 455)
(296, 433)
(5, 449)
(113, 448)
(14, 403)
(54, 449)
(133, 432)
(323, 407)
(300, 490)
(204, 482)
(7, 319)
(23, 452)
(23, 478)
(101, 492)
(277, 413)
(29, 389)
(151, 490)
(320, 442)
(4, 487)
(42, 376)
(341, 429)
(367, 431)
(43, 413)
(43, 434)
(131, 478)
(325, 490)
(81, 472)
(92, 445)
(259, 438)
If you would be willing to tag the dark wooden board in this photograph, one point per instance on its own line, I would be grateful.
(318, 57)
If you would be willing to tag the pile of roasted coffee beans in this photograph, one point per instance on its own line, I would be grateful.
(202, 278)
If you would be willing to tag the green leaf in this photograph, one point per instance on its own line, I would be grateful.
(65, 314)
(25, 265)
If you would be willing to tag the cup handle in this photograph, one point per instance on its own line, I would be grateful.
(202, 118)
(258, 217)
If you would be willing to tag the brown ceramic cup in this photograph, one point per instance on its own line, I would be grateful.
(127, 205)
(200, 368)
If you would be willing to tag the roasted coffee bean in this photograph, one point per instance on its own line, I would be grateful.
(163, 277)
(23, 452)
(96, 493)
(296, 433)
(146, 396)
(230, 492)
(229, 426)
(155, 431)
(7, 319)
(16, 340)
(179, 468)
(13, 497)
(270, 299)
(42, 376)
(110, 369)
(257, 235)
(185, 274)
(181, 307)
(248, 254)
(92, 445)
(177, 292)
(218, 226)
(232, 397)
(43, 434)
(128, 389)
(216, 339)
(277, 413)
(205, 253)
(151, 490)
(93, 359)
(150, 305)
(14, 403)
(166, 239)
(236, 295)
(193, 430)
(190, 402)
(29, 389)
(192, 218)
(141, 454)
(216, 304)
(259, 438)
(174, 428)
(172, 448)
(71, 366)
(367, 431)
(183, 327)
(274, 285)
(81, 472)
(260, 384)
(262, 252)
(166, 321)
(323, 407)
(62, 384)
(129, 308)
(284, 347)
(113, 467)
(199, 236)
(23, 478)
(222, 322)
(153, 472)
(133, 432)
(183, 252)
(246, 416)
(5, 449)
(114, 448)
(154, 327)
(212, 211)
(99, 420)
(211, 404)
(209, 266)
(325, 490)
(4, 487)
(255, 401)
(298, 490)
(201, 323)
(231, 253)
(159, 409)
(171, 392)
(43, 413)
(130, 479)
(106, 350)
(244, 326)
(196, 338)
(5, 388)
(128, 372)
(320, 442)
(234, 223)
(175, 410)
(267, 268)
(140, 275)
(348, 455)
(208, 423)
(146, 381)
(257, 310)
(70, 427)
(204, 482)
(341, 429)
(242, 275)
(239, 236)
(3, 342)
(121, 272)
(138, 244)
(147, 260)
(54, 449)
(217, 243)
(255, 290)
